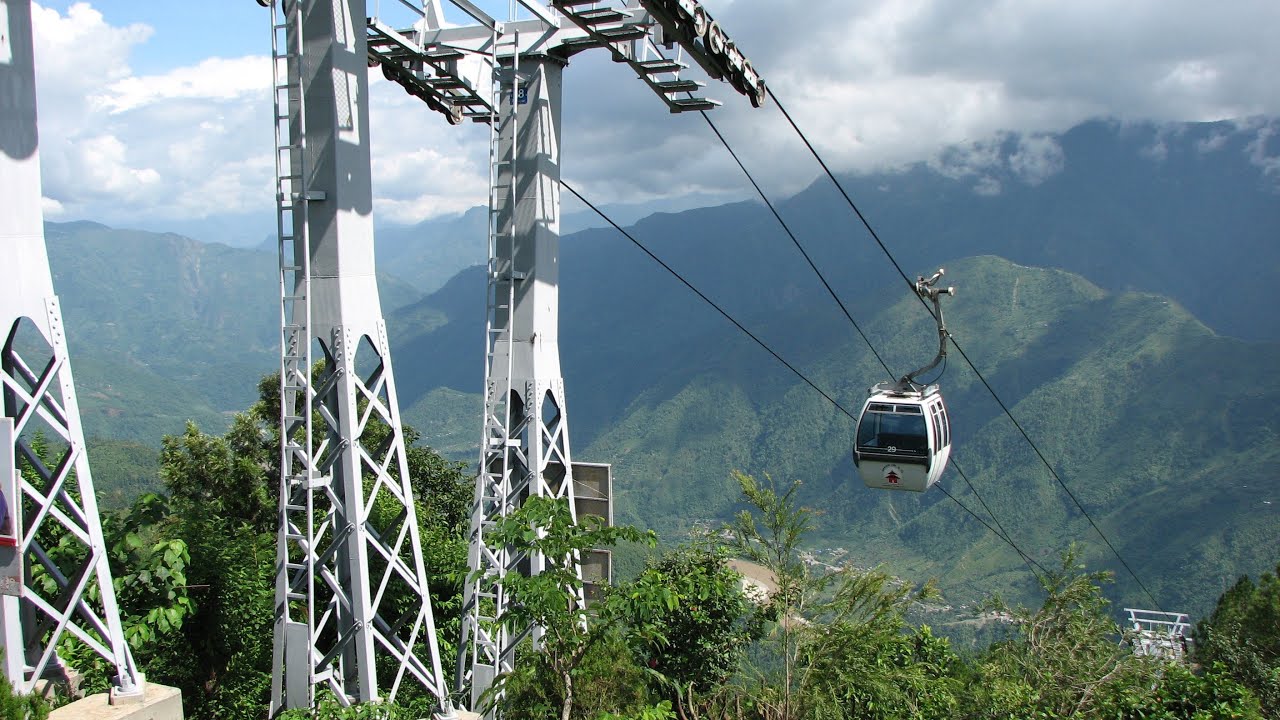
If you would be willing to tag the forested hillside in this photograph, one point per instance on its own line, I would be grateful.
(163, 328)
(1136, 404)
(1124, 374)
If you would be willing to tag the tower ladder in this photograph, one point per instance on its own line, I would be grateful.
(299, 478)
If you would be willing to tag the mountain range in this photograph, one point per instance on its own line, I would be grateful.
(1112, 285)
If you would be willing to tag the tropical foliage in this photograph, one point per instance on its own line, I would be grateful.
(1242, 638)
(686, 638)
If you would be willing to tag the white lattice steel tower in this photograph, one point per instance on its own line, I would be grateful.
(525, 446)
(509, 75)
(353, 613)
(46, 595)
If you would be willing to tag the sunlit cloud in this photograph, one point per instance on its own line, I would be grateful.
(874, 85)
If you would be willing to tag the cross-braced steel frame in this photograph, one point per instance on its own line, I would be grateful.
(525, 444)
(353, 611)
(66, 591)
(525, 440)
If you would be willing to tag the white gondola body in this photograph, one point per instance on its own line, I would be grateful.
(903, 440)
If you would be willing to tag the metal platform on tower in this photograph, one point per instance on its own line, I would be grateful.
(1158, 634)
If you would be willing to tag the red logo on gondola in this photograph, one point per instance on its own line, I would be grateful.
(892, 474)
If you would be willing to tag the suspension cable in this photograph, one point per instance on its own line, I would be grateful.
(796, 242)
(1004, 534)
(853, 206)
(999, 533)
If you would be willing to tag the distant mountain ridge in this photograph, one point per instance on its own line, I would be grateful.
(162, 327)
(664, 388)
(1154, 419)
(1188, 210)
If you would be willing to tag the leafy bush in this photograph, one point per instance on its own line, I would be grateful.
(14, 706)
(1243, 637)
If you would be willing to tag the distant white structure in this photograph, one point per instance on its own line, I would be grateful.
(1158, 634)
(758, 583)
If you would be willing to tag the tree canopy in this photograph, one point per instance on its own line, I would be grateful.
(685, 638)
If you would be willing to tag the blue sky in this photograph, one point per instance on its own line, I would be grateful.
(157, 114)
(185, 32)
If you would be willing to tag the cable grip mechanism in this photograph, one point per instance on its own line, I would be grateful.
(927, 289)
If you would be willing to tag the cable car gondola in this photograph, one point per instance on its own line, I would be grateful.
(903, 439)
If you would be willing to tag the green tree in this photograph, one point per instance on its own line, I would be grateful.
(1171, 691)
(839, 646)
(577, 648)
(149, 573)
(221, 507)
(14, 706)
(1060, 654)
(770, 534)
(699, 641)
(1243, 635)
(1065, 660)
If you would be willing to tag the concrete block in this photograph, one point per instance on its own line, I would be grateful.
(158, 702)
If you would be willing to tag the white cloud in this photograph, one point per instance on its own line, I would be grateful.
(873, 84)
(213, 79)
(422, 166)
(103, 167)
(987, 185)
(118, 146)
(1264, 149)
(1036, 159)
(881, 83)
(51, 208)
(961, 161)
(1213, 143)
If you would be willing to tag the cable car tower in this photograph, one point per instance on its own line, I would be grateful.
(351, 586)
(45, 480)
(517, 88)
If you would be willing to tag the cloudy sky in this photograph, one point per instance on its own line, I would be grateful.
(157, 115)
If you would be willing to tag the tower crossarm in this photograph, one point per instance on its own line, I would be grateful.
(688, 24)
(450, 68)
(449, 80)
(628, 34)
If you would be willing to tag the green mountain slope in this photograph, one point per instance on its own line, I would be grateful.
(163, 328)
(1139, 407)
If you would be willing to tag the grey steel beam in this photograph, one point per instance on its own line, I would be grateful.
(525, 445)
(349, 558)
(52, 486)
